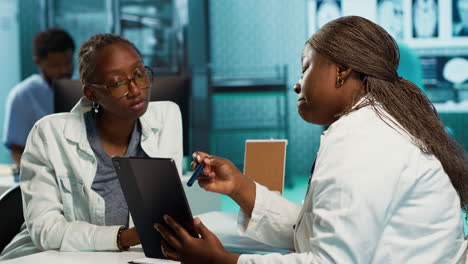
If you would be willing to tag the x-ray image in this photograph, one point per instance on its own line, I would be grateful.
(460, 17)
(425, 18)
(390, 17)
(443, 76)
(455, 70)
(327, 10)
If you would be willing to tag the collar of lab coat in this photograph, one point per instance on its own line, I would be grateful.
(357, 103)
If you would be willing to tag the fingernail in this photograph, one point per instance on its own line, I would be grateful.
(165, 218)
(156, 227)
(198, 158)
(196, 221)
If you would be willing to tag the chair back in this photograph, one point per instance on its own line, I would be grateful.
(11, 219)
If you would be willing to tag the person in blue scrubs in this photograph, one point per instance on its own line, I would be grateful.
(33, 98)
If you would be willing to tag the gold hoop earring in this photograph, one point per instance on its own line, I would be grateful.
(339, 81)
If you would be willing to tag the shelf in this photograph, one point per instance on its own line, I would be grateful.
(247, 103)
(146, 21)
(250, 128)
(247, 85)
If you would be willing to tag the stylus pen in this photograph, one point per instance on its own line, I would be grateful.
(195, 174)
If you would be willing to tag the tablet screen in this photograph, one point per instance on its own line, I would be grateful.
(152, 188)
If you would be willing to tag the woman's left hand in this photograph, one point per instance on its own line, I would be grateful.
(179, 245)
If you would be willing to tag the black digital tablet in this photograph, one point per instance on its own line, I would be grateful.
(152, 188)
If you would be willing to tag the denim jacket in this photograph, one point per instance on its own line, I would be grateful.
(58, 166)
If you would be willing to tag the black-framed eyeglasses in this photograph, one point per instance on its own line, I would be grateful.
(142, 79)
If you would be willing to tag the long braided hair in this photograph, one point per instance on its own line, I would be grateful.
(365, 47)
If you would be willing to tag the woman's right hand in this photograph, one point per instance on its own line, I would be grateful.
(219, 174)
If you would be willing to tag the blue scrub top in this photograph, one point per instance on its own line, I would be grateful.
(27, 102)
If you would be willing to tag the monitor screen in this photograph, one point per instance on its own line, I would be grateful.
(67, 94)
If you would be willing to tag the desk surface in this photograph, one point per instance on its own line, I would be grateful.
(6, 178)
(52, 257)
(222, 224)
(6, 182)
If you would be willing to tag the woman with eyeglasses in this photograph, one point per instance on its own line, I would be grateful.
(71, 195)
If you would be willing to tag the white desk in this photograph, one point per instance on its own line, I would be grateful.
(6, 182)
(200, 201)
(53, 257)
(6, 178)
(222, 224)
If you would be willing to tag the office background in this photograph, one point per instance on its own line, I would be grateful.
(243, 58)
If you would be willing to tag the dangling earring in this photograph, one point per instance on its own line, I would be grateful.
(339, 81)
(96, 107)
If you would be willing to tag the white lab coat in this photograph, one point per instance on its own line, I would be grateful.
(58, 166)
(374, 198)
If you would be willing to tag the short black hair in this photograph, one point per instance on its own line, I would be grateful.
(52, 40)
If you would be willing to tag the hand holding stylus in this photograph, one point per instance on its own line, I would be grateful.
(195, 174)
(221, 176)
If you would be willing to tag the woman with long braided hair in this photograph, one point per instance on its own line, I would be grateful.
(388, 184)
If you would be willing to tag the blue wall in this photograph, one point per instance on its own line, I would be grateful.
(9, 62)
(254, 35)
(29, 24)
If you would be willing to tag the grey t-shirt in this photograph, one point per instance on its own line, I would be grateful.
(106, 182)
